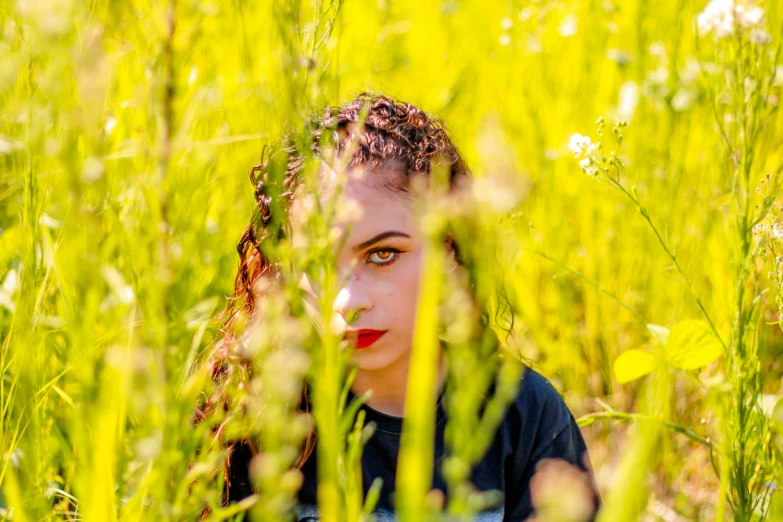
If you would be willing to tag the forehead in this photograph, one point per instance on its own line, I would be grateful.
(389, 180)
(372, 200)
(381, 196)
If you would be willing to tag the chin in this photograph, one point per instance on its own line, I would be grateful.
(372, 358)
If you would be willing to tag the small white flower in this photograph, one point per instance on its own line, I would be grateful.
(505, 40)
(760, 37)
(587, 167)
(534, 44)
(506, 23)
(568, 27)
(724, 28)
(657, 49)
(578, 144)
(683, 99)
(749, 17)
(723, 17)
(717, 16)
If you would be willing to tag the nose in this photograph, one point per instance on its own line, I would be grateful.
(352, 299)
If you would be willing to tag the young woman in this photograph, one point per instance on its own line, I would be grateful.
(377, 307)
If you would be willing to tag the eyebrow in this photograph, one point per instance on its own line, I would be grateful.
(379, 237)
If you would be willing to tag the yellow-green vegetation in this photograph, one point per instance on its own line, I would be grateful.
(626, 231)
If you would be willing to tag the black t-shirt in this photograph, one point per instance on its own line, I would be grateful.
(537, 426)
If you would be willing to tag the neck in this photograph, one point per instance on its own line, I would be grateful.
(389, 385)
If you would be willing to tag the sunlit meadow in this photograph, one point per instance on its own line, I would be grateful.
(628, 166)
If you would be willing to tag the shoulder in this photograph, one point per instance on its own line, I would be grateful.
(538, 414)
(538, 427)
(536, 397)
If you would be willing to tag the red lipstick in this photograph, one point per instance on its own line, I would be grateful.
(364, 338)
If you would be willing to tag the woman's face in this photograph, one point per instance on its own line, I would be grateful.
(380, 265)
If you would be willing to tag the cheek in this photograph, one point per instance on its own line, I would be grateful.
(404, 292)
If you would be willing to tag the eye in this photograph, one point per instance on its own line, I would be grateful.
(383, 256)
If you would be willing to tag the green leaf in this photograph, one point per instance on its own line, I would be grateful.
(692, 345)
(632, 364)
(661, 333)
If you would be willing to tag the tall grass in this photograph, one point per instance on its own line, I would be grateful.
(126, 134)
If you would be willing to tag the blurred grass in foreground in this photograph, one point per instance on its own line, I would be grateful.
(126, 134)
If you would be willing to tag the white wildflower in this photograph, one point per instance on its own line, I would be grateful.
(579, 144)
(505, 40)
(749, 17)
(717, 16)
(658, 76)
(683, 99)
(534, 44)
(506, 23)
(587, 167)
(657, 49)
(568, 26)
(725, 16)
(691, 71)
(760, 37)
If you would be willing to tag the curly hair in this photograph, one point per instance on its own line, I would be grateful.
(392, 133)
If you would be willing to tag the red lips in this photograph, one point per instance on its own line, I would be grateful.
(364, 338)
